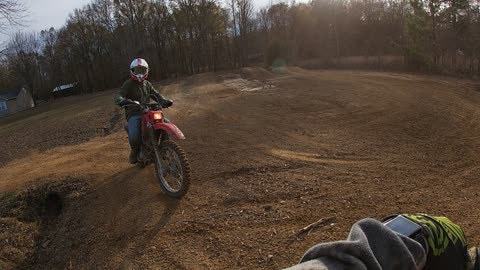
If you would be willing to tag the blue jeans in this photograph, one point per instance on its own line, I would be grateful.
(135, 131)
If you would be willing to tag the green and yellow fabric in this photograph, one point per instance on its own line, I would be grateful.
(447, 245)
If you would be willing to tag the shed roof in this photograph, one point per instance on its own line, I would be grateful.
(10, 94)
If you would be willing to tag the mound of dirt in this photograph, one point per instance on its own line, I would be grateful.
(64, 122)
(200, 79)
(27, 216)
(257, 73)
(248, 79)
(240, 84)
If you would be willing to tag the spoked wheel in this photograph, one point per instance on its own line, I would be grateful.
(172, 169)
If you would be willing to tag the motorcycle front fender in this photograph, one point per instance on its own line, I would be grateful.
(171, 129)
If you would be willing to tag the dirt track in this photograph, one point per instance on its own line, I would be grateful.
(304, 145)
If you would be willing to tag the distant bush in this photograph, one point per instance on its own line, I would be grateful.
(418, 61)
(276, 55)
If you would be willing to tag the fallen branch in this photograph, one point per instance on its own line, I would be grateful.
(320, 223)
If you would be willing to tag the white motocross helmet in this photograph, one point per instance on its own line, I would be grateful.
(139, 69)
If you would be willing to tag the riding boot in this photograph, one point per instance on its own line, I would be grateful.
(133, 156)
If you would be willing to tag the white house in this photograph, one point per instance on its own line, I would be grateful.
(15, 100)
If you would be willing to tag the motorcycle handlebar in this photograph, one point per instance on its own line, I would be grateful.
(145, 106)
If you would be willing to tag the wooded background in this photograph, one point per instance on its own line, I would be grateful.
(184, 37)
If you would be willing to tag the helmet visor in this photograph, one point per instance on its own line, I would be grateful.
(139, 70)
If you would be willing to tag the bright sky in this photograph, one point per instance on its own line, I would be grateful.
(44, 14)
(47, 13)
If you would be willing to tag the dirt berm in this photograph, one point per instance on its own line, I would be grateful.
(270, 154)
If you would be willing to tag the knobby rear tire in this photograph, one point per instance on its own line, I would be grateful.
(185, 167)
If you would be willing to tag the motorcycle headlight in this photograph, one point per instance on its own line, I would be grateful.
(157, 116)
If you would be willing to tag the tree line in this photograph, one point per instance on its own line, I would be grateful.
(184, 37)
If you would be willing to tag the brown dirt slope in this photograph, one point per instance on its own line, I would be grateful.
(303, 145)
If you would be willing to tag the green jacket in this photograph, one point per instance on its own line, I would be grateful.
(136, 91)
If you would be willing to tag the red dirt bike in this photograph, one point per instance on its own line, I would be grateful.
(171, 164)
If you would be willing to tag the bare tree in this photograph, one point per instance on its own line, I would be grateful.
(245, 24)
(22, 54)
(12, 13)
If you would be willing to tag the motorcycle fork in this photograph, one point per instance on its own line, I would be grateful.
(152, 136)
(155, 139)
(147, 151)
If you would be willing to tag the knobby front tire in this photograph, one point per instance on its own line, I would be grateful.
(172, 169)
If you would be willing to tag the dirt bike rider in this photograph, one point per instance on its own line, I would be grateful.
(137, 90)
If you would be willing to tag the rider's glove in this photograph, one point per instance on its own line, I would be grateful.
(125, 101)
(446, 243)
(167, 103)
